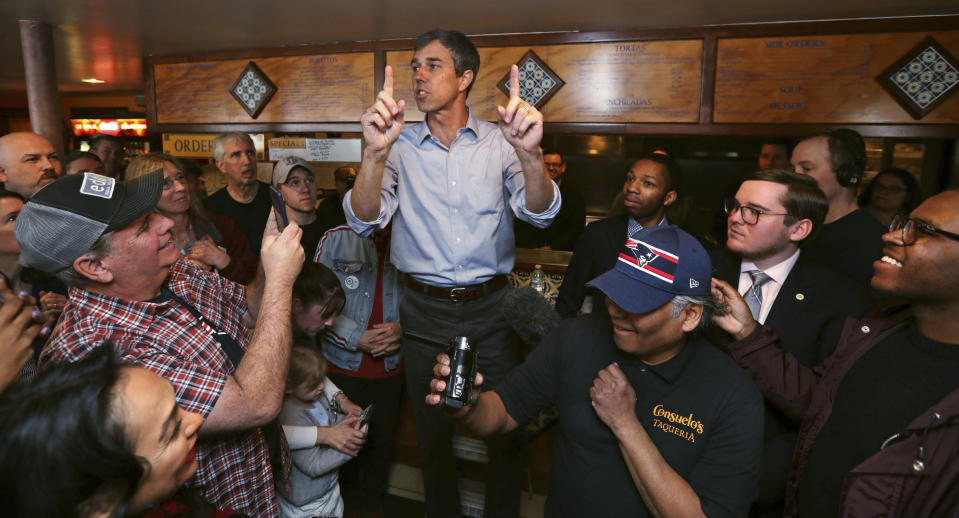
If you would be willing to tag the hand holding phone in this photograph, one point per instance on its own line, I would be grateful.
(279, 208)
(366, 416)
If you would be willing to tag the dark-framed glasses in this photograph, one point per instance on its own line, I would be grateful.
(750, 215)
(910, 226)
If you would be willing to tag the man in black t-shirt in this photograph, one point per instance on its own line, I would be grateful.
(880, 418)
(245, 199)
(850, 239)
(295, 179)
(652, 418)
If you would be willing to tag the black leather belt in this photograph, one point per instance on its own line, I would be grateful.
(459, 293)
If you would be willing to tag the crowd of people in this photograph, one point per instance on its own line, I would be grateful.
(164, 353)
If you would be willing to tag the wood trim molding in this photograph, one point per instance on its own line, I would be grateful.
(710, 35)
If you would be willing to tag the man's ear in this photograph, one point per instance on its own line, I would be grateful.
(3, 175)
(466, 80)
(93, 269)
(670, 198)
(691, 316)
(219, 165)
(800, 230)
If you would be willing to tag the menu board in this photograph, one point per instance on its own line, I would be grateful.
(643, 81)
(818, 79)
(318, 88)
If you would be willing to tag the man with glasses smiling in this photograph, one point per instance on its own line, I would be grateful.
(773, 214)
(880, 417)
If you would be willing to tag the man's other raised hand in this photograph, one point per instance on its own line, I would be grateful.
(383, 121)
(521, 123)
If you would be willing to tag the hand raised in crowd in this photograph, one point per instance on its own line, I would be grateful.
(18, 328)
(614, 399)
(521, 123)
(441, 371)
(733, 316)
(207, 254)
(51, 304)
(281, 255)
(343, 436)
(383, 121)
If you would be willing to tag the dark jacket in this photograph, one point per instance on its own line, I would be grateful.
(595, 253)
(891, 482)
(563, 232)
(808, 314)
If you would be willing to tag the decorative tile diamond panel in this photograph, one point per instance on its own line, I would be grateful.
(537, 82)
(923, 78)
(253, 89)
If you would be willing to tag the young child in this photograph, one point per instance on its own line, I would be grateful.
(313, 489)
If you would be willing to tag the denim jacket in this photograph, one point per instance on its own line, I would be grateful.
(353, 259)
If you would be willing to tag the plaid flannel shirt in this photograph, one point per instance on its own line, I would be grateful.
(165, 338)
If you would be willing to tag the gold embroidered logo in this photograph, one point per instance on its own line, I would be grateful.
(674, 423)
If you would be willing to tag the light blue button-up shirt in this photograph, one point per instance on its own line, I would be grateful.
(452, 226)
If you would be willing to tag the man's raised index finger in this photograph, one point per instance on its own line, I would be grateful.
(513, 81)
(388, 80)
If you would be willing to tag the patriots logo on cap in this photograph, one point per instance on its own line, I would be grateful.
(642, 256)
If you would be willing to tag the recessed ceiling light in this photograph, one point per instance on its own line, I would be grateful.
(92, 80)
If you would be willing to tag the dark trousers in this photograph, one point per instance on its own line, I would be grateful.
(497, 353)
(363, 481)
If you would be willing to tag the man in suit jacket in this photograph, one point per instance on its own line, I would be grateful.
(652, 184)
(772, 215)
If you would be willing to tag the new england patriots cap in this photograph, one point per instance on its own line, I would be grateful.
(655, 265)
(64, 218)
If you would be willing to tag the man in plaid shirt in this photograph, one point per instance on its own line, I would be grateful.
(224, 347)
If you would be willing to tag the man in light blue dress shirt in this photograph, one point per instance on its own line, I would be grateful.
(450, 184)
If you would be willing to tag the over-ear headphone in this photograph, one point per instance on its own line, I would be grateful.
(850, 157)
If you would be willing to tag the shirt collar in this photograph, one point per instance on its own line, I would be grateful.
(422, 130)
(670, 370)
(777, 272)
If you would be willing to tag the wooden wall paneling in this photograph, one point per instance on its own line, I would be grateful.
(702, 125)
(325, 87)
(630, 81)
(707, 91)
(818, 79)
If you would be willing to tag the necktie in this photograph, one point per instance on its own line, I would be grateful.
(754, 295)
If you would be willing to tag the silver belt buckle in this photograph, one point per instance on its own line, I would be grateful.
(456, 293)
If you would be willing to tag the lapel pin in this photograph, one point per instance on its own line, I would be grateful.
(800, 296)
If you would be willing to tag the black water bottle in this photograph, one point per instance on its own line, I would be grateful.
(459, 385)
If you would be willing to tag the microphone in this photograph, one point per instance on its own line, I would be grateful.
(530, 315)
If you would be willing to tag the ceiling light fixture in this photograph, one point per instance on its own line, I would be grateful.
(92, 80)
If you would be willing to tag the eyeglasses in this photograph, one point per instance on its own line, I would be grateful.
(750, 215)
(909, 227)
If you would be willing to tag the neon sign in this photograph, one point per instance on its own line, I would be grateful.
(115, 127)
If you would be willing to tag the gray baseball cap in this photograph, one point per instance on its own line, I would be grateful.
(283, 167)
(64, 218)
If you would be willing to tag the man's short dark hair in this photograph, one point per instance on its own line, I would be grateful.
(847, 155)
(803, 199)
(464, 53)
(101, 138)
(551, 151)
(674, 175)
(75, 155)
(786, 144)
